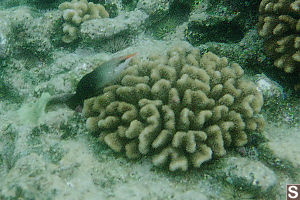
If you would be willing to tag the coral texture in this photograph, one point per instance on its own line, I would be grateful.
(105, 29)
(279, 22)
(180, 108)
(76, 12)
(144, 15)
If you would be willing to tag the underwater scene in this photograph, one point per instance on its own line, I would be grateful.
(149, 99)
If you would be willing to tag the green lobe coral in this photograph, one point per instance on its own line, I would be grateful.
(182, 108)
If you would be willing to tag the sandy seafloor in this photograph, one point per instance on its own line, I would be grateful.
(53, 156)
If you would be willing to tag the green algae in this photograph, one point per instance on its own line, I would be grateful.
(32, 112)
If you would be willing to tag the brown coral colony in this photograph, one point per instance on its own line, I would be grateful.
(279, 23)
(76, 12)
(183, 109)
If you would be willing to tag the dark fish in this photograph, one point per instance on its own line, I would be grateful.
(93, 83)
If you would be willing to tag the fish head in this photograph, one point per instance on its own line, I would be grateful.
(122, 62)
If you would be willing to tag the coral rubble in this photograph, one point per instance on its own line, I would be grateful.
(279, 22)
(144, 14)
(181, 108)
(76, 12)
(97, 31)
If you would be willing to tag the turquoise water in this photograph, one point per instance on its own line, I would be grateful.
(51, 154)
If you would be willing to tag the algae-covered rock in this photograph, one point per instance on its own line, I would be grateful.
(98, 30)
(251, 175)
(153, 7)
(220, 21)
(282, 150)
(4, 36)
(32, 35)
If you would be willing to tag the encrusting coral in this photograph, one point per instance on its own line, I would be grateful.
(279, 22)
(76, 12)
(180, 108)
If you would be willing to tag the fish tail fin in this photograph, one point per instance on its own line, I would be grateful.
(58, 100)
